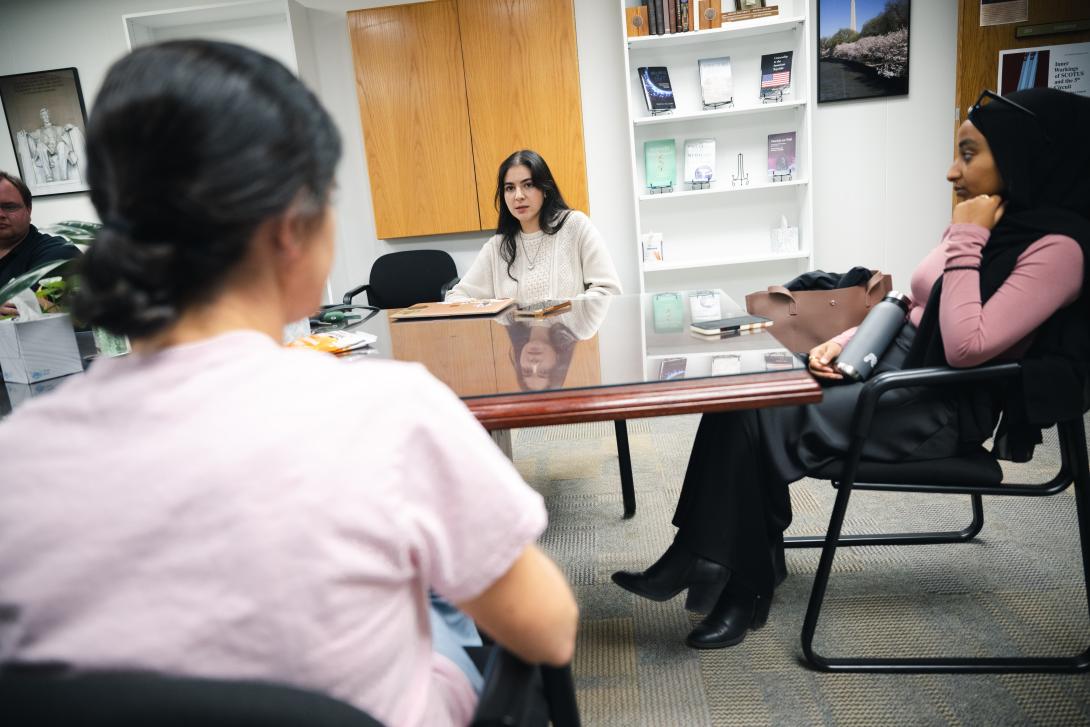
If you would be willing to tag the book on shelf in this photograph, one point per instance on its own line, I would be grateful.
(751, 13)
(704, 306)
(671, 16)
(781, 156)
(716, 81)
(726, 364)
(711, 14)
(667, 314)
(775, 75)
(651, 246)
(658, 94)
(672, 368)
(684, 20)
(636, 21)
(780, 361)
(659, 163)
(699, 160)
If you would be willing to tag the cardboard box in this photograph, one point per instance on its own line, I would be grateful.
(32, 351)
(20, 393)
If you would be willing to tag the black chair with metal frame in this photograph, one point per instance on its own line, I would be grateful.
(515, 694)
(975, 474)
(404, 278)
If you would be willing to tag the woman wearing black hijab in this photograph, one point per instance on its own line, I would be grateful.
(1006, 282)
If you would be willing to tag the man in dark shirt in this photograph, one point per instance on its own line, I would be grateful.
(22, 247)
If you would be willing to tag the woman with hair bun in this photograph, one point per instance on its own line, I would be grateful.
(542, 248)
(213, 505)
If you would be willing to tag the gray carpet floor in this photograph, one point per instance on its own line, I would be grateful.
(1016, 590)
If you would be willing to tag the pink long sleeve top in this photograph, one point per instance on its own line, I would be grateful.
(1047, 276)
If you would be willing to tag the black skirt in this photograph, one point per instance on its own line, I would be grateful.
(734, 503)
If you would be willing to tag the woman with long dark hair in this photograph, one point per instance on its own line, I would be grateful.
(1008, 281)
(542, 248)
(190, 511)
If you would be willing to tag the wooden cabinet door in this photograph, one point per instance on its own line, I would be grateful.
(411, 88)
(522, 80)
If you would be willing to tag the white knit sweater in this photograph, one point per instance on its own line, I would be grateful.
(571, 263)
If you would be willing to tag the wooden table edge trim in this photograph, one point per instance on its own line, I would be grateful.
(635, 401)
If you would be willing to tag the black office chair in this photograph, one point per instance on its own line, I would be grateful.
(974, 474)
(515, 694)
(401, 279)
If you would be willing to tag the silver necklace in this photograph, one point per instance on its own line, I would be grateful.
(531, 263)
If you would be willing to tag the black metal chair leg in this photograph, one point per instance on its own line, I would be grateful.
(1074, 432)
(624, 457)
(964, 535)
(821, 577)
(560, 696)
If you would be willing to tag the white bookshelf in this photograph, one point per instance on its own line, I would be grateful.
(720, 237)
(278, 28)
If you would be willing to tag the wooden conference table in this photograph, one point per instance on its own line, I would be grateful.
(607, 359)
(626, 356)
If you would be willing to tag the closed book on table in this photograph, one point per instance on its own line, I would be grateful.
(658, 93)
(734, 324)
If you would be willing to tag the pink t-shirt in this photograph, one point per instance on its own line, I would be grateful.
(1046, 277)
(230, 508)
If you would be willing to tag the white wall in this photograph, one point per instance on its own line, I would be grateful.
(879, 197)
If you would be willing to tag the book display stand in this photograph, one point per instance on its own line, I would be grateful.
(740, 177)
(732, 87)
(774, 95)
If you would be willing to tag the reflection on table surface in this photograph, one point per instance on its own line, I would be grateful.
(601, 341)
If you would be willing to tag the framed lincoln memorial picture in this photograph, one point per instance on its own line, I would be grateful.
(47, 121)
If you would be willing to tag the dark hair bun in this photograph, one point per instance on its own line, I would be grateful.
(191, 146)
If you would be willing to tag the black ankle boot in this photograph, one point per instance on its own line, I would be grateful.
(737, 611)
(676, 570)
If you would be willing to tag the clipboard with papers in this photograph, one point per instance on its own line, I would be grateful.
(444, 309)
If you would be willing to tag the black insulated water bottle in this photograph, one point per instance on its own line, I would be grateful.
(873, 337)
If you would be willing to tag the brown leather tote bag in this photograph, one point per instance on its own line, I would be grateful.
(805, 318)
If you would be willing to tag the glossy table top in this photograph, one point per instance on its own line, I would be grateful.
(612, 357)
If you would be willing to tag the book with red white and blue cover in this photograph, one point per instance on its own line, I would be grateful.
(775, 75)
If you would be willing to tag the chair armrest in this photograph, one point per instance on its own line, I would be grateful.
(885, 382)
(511, 690)
(447, 286)
(518, 694)
(319, 318)
(354, 292)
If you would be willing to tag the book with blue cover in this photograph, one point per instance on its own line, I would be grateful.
(657, 91)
